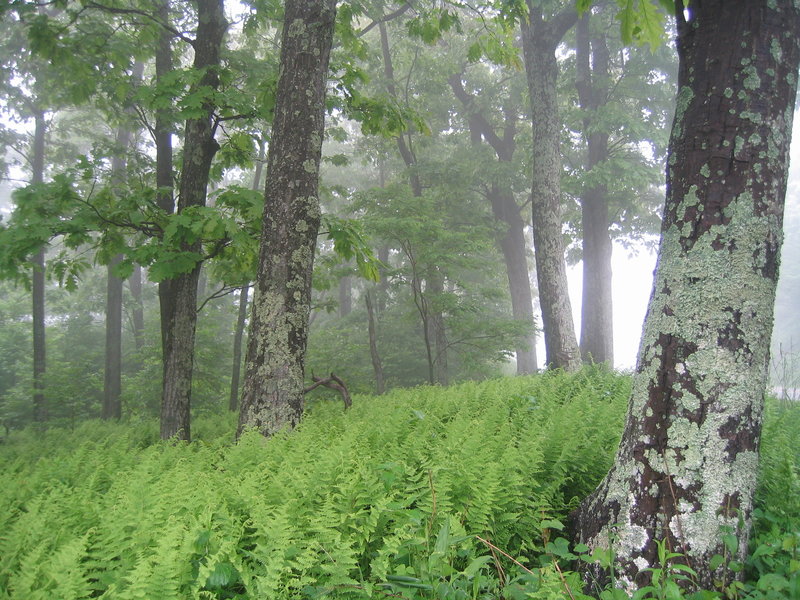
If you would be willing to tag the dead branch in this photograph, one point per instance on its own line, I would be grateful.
(334, 383)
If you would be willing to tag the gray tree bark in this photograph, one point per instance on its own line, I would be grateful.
(540, 37)
(199, 147)
(685, 471)
(40, 408)
(272, 398)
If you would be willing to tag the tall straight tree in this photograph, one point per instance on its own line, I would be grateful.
(273, 396)
(540, 38)
(199, 148)
(40, 412)
(685, 471)
(592, 81)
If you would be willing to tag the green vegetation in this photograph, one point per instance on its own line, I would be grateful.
(391, 499)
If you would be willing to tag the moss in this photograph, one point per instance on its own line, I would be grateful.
(751, 79)
(776, 51)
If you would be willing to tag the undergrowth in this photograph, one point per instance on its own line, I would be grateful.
(425, 493)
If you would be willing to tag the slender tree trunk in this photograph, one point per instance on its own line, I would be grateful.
(597, 319)
(686, 468)
(112, 376)
(540, 39)
(40, 408)
(515, 254)
(274, 382)
(241, 320)
(199, 147)
(435, 288)
(238, 336)
(135, 285)
(383, 284)
(372, 329)
(433, 322)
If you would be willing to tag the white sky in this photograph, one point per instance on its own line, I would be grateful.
(633, 279)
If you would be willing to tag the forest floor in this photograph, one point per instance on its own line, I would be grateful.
(451, 493)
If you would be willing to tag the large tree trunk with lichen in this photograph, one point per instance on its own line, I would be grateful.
(199, 147)
(686, 468)
(591, 82)
(272, 398)
(540, 37)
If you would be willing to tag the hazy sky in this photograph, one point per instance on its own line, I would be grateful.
(633, 278)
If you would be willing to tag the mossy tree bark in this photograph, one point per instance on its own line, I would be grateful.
(686, 468)
(597, 318)
(199, 147)
(540, 37)
(272, 397)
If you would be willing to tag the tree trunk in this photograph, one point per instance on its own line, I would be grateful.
(199, 147)
(383, 284)
(112, 375)
(135, 285)
(274, 382)
(505, 211)
(238, 336)
(377, 366)
(40, 409)
(162, 134)
(686, 468)
(241, 320)
(540, 39)
(435, 288)
(597, 317)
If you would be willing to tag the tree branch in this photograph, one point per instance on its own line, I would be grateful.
(333, 382)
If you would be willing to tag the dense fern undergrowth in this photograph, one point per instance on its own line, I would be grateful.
(421, 493)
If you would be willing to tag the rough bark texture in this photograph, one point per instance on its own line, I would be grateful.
(540, 37)
(505, 210)
(597, 319)
(272, 398)
(238, 336)
(686, 467)
(40, 410)
(199, 147)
